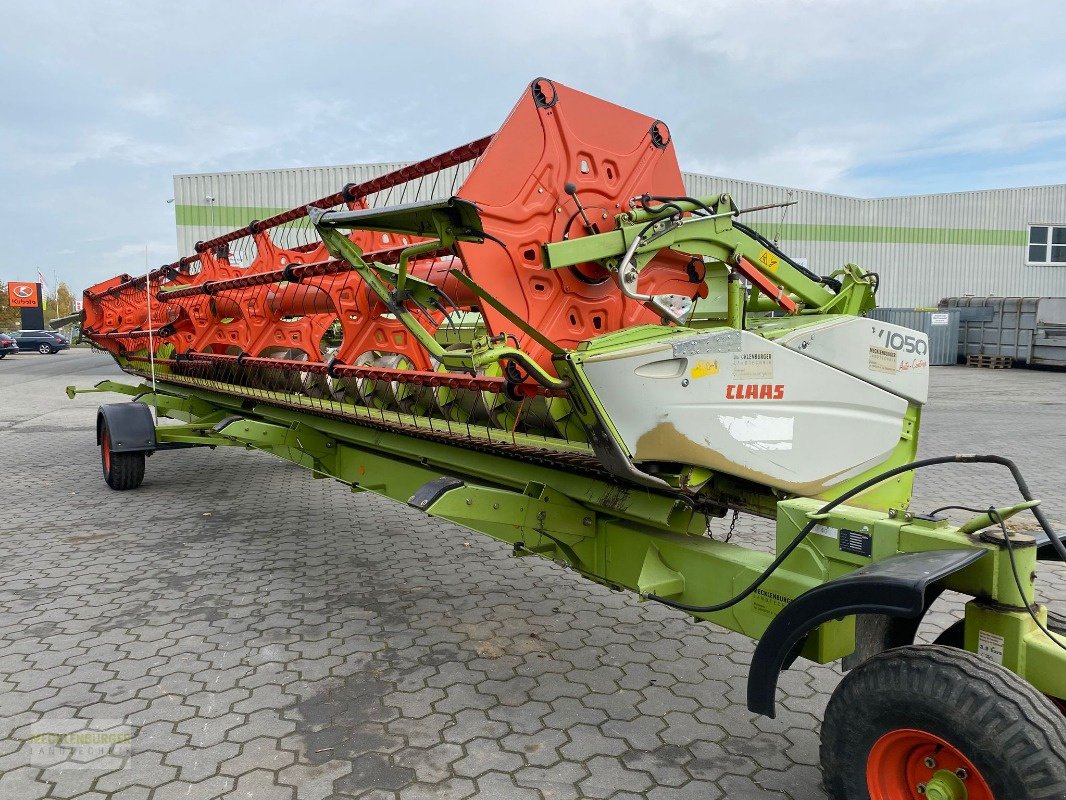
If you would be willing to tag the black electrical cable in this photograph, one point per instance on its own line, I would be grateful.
(862, 487)
(425, 313)
(995, 515)
(671, 201)
(651, 224)
(489, 237)
(970, 509)
(1023, 489)
(451, 303)
(448, 312)
(644, 205)
(569, 223)
(779, 253)
(665, 203)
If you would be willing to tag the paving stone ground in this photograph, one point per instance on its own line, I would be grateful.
(266, 635)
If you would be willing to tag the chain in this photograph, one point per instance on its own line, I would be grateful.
(732, 526)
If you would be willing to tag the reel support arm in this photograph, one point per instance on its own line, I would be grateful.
(642, 234)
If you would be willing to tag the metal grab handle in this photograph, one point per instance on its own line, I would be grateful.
(627, 273)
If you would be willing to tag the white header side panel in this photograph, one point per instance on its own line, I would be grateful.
(889, 356)
(734, 402)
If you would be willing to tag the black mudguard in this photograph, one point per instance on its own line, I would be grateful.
(895, 586)
(130, 425)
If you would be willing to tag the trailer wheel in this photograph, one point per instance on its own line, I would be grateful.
(122, 471)
(931, 722)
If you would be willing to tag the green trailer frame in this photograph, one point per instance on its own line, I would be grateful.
(650, 543)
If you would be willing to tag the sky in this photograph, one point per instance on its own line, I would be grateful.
(103, 102)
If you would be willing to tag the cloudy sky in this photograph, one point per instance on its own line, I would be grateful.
(104, 101)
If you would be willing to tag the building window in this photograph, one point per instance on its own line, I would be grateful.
(1047, 245)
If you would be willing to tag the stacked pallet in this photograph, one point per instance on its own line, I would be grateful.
(989, 362)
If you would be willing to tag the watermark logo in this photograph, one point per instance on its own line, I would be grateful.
(97, 744)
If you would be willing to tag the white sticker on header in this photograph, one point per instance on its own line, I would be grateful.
(760, 432)
(753, 365)
(883, 360)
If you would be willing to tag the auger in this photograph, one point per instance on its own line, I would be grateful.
(539, 336)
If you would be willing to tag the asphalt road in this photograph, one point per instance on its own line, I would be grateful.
(260, 634)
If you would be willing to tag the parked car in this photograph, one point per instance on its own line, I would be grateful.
(41, 341)
(7, 345)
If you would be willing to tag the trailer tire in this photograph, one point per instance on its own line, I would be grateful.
(983, 730)
(122, 471)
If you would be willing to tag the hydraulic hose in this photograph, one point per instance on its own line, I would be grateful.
(862, 487)
(1023, 489)
(782, 255)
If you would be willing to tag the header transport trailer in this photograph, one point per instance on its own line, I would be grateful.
(563, 351)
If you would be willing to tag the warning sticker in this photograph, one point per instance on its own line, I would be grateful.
(990, 646)
(769, 260)
(702, 369)
(883, 360)
(747, 366)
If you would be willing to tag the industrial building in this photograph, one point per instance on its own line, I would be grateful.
(999, 242)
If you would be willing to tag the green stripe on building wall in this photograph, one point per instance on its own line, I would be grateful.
(884, 234)
(239, 216)
(222, 216)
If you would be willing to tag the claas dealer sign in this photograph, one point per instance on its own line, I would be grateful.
(22, 295)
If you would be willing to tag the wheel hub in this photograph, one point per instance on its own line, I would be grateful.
(908, 764)
(946, 785)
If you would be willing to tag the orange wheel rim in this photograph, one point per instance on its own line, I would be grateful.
(907, 764)
(105, 451)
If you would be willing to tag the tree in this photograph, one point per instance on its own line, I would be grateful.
(63, 300)
(10, 318)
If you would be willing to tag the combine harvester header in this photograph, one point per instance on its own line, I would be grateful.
(538, 335)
